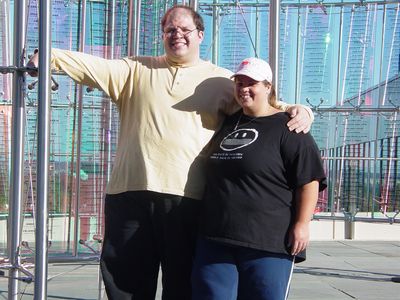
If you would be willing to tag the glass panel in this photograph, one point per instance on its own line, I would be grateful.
(318, 41)
(391, 50)
(359, 51)
(241, 30)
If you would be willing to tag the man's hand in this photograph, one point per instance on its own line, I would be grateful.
(33, 63)
(301, 120)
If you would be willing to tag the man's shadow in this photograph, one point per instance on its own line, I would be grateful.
(213, 100)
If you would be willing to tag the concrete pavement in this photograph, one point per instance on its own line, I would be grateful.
(334, 270)
(344, 270)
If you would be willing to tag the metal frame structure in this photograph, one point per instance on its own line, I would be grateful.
(17, 149)
(43, 149)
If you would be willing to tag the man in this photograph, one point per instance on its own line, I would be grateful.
(169, 108)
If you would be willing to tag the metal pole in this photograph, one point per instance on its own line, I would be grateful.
(17, 149)
(133, 27)
(194, 4)
(297, 79)
(111, 44)
(44, 99)
(79, 96)
(215, 23)
(137, 27)
(274, 8)
(257, 33)
(131, 21)
(378, 117)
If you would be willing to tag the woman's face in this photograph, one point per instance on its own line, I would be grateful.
(251, 95)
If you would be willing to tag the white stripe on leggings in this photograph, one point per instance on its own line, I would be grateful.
(290, 279)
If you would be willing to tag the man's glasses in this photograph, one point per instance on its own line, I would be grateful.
(183, 31)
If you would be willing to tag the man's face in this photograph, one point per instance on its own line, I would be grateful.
(181, 38)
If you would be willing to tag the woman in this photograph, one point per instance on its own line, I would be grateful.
(262, 188)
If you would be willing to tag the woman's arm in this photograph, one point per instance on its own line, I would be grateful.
(305, 202)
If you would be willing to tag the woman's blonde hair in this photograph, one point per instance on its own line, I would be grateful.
(272, 95)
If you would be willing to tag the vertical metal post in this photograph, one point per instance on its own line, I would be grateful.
(134, 11)
(332, 173)
(112, 55)
(106, 104)
(194, 4)
(157, 8)
(297, 81)
(17, 149)
(43, 126)
(131, 21)
(376, 162)
(349, 226)
(111, 44)
(339, 100)
(133, 27)
(215, 32)
(138, 10)
(274, 8)
(257, 33)
(334, 196)
(79, 96)
(378, 116)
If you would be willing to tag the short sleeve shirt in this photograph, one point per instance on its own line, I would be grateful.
(254, 166)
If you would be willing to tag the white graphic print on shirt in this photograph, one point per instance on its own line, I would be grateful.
(235, 140)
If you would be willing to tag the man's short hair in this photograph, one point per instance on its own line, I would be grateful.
(197, 19)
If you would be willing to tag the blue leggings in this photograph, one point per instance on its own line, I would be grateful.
(226, 272)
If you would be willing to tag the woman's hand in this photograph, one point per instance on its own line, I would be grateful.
(299, 237)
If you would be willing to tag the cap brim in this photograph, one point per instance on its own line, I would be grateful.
(252, 76)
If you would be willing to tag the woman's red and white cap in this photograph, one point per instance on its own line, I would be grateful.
(255, 68)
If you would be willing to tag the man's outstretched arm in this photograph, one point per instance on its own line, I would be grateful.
(108, 75)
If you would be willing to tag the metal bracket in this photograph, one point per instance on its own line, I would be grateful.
(12, 69)
(315, 107)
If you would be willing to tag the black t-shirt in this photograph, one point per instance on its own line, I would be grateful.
(254, 166)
